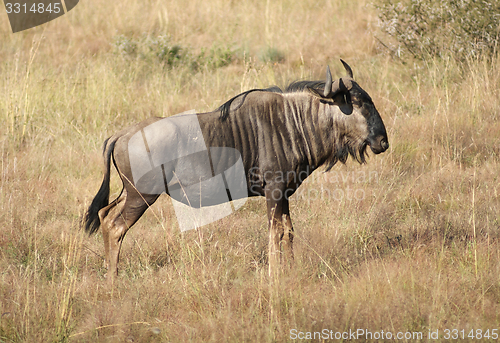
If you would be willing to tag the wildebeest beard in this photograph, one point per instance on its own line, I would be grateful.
(357, 150)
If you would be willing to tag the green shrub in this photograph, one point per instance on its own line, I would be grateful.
(150, 48)
(159, 49)
(124, 46)
(215, 57)
(272, 55)
(439, 27)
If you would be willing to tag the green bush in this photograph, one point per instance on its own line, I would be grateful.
(439, 27)
(272, 55)
(215, 57)
(159, 49)
(150, 48)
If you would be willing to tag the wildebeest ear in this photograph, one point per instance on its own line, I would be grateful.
(331, 89)
(317, 93)
(341, 98)
(328, 99)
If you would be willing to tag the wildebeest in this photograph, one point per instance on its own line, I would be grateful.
(280, 136)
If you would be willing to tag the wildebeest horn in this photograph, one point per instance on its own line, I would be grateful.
(338, 86)
(347, 68)
(341, 85)
(328, 83)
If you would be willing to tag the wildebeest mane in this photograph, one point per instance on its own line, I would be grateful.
(296, 86)
(300, 86)
(226, 107)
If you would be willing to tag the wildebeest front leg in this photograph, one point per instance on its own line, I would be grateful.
(280, 231)
(274, 255)
(287, 238)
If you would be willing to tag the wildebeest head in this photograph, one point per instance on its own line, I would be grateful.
(357, 111)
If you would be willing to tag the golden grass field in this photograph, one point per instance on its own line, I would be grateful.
(416, 249)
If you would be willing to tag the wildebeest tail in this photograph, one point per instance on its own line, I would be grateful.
(101, 199)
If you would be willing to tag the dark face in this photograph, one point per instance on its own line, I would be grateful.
(377, 135)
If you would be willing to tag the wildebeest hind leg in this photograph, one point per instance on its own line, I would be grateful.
(103, 214)
(116, 220)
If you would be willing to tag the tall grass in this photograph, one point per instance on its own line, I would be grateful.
(417, 252)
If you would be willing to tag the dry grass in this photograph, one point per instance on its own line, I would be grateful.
(420, 251)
